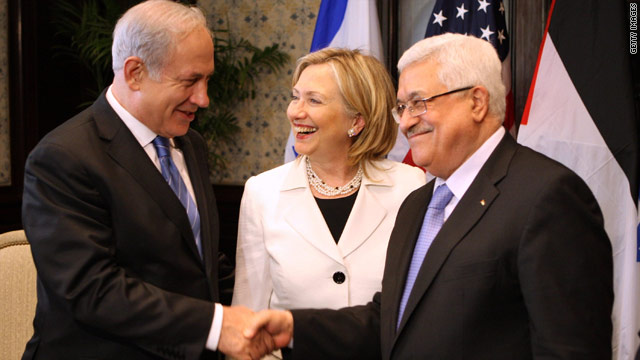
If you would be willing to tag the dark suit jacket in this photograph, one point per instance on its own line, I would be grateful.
(521, 269)
(119, 275)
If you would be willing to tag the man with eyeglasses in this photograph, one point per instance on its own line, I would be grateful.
(502, 256)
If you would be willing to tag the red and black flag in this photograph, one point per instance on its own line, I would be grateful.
(581, 112)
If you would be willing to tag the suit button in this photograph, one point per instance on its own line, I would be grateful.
(338, 277)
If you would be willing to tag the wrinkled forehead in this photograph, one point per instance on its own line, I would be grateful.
(419, 80)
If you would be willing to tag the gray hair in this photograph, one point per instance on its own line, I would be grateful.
(151, 31)
(464, 61)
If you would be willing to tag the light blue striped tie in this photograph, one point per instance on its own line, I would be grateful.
(433, 220)
(171, 174)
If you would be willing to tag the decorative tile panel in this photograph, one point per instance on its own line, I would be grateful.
(264, 126)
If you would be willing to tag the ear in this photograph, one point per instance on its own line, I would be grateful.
(134, 71)
(358, 124)
(480, 99)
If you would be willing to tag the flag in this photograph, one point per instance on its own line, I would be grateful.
(349, 24)
(483, 19)
(580, 111)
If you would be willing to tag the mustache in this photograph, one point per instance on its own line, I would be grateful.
(419, 128)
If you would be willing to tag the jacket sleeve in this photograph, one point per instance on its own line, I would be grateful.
(348, 333)
(566, 272)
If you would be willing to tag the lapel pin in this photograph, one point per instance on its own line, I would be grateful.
(482, 202)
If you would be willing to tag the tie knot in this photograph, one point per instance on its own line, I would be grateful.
(162, 146)
(441, 197)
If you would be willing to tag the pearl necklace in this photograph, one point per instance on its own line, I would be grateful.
(326, 190)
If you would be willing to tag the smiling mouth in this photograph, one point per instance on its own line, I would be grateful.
(304, 130)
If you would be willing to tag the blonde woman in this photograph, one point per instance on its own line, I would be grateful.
(313, 233)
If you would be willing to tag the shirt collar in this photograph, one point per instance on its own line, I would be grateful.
(140, 131)
(464, 175)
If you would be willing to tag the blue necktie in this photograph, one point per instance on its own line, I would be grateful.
(172, 176)
(433, 220)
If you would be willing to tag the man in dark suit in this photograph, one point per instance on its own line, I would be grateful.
(520, 266)
(127, 261)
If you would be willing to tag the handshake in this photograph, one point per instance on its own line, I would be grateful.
(249, 335)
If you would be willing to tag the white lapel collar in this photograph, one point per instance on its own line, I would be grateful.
(301, 211)
(370, 211)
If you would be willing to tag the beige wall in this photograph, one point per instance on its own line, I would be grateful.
(263, 123)
(5, 156)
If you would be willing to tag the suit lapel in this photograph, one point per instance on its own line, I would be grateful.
(301, 212)
(470, 209)
(370, 212)
(127, 152)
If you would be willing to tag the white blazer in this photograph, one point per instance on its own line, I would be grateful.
(286, 257)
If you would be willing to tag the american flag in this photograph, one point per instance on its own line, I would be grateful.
(484, 19)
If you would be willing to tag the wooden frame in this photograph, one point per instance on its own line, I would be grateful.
(22, 106)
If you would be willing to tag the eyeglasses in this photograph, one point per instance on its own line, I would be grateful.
(419, 106)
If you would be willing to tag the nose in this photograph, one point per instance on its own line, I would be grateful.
(407, 121)
(200, 96)
(296, 109)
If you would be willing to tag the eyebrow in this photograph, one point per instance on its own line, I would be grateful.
(309, 93)
(198, 75)
(412, 95)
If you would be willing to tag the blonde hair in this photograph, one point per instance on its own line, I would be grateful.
(366, 89)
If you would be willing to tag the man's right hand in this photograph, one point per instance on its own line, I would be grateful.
(232, 340)
(277, 323)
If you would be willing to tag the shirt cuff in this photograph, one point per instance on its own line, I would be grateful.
(216, 328)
